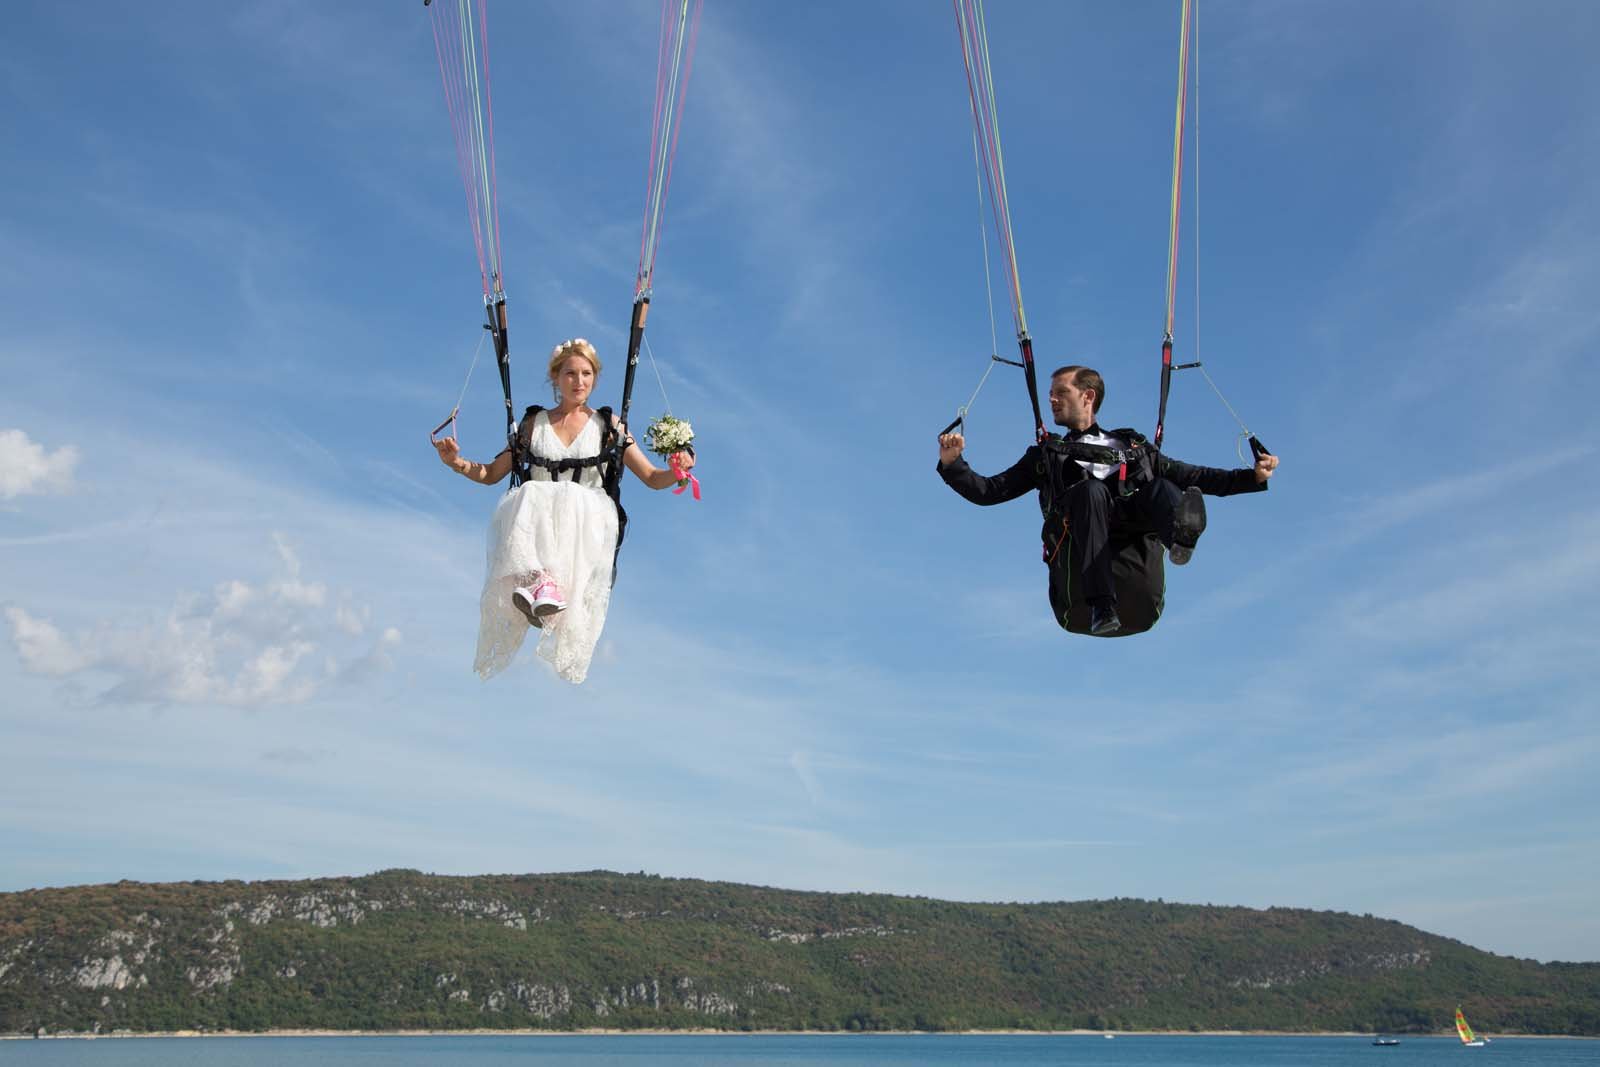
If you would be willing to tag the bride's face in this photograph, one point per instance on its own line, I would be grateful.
(575, 380)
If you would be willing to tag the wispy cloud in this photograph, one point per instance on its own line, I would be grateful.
(29, 467)
(242, 645)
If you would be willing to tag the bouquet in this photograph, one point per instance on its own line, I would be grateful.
(670, 437)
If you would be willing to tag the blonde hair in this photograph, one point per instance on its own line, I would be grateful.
(567, 349)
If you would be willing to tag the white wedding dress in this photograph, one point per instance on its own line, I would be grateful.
(565, 529)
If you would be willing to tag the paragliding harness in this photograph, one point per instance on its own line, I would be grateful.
(1135, 464)
(1136, 563)
(609, 460)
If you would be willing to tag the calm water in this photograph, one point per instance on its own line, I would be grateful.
(731, 1050)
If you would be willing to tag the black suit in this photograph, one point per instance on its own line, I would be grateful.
(1093, 508)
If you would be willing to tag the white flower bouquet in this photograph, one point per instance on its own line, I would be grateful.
(670, 437)
(668, 434)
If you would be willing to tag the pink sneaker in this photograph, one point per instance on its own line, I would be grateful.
(522, 600)
(547, 599)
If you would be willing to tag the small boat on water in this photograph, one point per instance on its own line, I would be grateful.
(1463, 1031)
(1385, 1041)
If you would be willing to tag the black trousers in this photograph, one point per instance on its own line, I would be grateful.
(1094, 508)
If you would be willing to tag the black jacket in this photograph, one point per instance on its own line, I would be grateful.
(1035, 469)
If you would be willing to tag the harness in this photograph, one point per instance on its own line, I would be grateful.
(1136, 559)
(1058, 471)
(1058, 459)
(609, 460)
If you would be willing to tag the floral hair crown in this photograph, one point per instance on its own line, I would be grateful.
(577, 343)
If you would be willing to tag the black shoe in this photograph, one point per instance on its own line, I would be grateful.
(1103, 621)
(1187, 525)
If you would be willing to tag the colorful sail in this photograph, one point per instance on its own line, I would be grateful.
(1465, 1031)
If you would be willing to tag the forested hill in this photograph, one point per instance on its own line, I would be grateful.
(404, 950)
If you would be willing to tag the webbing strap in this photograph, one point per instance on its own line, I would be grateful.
(496, 310)
(1025, 343)
(609, 452)
(570, 463)
(1166, 388)
(641, 311)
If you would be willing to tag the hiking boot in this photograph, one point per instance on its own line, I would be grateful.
(1103, 620)
(1188, 523)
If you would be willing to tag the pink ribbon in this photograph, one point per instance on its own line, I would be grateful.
(680, 472)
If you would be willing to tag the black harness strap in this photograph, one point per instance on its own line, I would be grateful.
(571, 464)
(1057, 452)
(609, 460)
(496, 310)
(1025, 344)
(1167, 367)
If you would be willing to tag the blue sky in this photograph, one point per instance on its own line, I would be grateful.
(239, 592)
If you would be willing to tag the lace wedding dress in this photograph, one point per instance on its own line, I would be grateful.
(565, 529)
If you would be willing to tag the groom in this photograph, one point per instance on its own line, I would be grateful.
(1082, 493)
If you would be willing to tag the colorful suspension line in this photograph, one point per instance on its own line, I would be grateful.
(988, 290)
(1189, 29)
(680, 26)
(1172, 224)
(461, 42)
(986, 126)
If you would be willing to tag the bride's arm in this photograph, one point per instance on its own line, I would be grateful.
(484, 473)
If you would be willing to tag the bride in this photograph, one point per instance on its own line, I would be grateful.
(553, 539)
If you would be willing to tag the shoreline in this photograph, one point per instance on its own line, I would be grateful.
(661, 1032)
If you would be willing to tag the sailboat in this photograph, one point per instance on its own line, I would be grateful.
(1468, 1038)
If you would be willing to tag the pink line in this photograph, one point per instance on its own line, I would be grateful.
(465, 165)
(494, 181)
(986, 125)
(470, 136)
(662, 41)
(466, 115)
(445, 48)
(677, 123)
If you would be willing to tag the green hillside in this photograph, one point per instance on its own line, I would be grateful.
(404, 950)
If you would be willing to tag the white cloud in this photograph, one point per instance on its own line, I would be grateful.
(43, 648)
(25, 466)
(300, 594)
(233, 598)
(245, 645)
